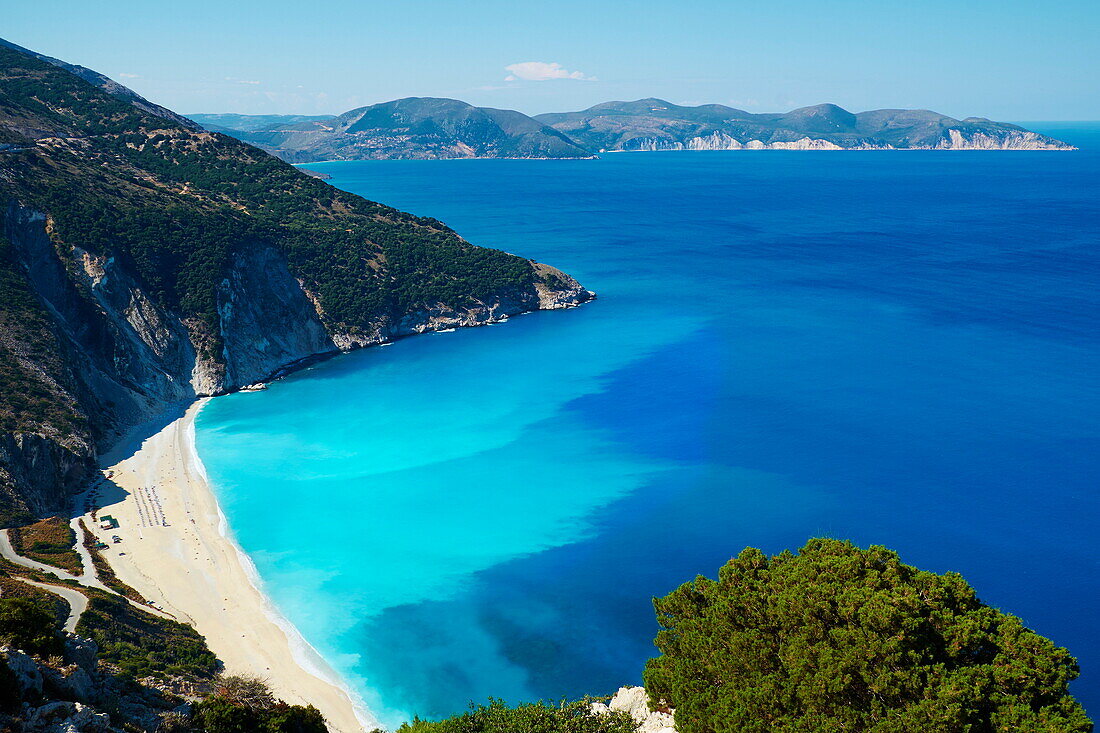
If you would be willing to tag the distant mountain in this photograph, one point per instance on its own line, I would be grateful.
(417, 127)
(229, 123)
(654, 124)
(427, 127)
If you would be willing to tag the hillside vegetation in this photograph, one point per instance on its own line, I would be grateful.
(145, 261)
(425, 127)
(416, 127)
(175, 202)
(655, 124)
(48, 541)
(838, 638)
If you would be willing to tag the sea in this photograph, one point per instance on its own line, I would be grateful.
(894, 348)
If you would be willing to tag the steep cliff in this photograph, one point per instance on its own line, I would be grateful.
(144, 261)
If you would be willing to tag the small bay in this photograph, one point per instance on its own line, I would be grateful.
(897, 348)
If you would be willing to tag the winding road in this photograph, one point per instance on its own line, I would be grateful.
(78, 602)
(88, 578)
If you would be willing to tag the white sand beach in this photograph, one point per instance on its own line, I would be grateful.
(176, 551)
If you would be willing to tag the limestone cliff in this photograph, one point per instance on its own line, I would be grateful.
(132, 357)
(144, 262)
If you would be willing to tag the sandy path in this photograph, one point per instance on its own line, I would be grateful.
(175, 553)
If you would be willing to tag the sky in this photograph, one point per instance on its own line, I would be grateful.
(1014, 60)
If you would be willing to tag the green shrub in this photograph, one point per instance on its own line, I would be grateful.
(838, 638)
(246, 705)
(141, 644)
(496, 717)
(49, 541)
(28, 626)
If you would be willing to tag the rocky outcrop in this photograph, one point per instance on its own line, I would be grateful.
(68, 694)
(635, 702)
(66, 717)
(551, 290)
(39, 473)
(556, 289)
(267, 321)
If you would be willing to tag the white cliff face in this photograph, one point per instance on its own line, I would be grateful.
(1021, 140)
(635, 702)
(267, 321)
(723, 141)
(149, 345)
(714, 141)
(953, 140)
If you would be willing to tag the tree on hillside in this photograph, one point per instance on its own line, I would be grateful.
(838, 638)
(246, 705)
(28, 626)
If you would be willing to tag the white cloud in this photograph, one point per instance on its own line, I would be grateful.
(241, 81)
(124, 75)
(542, 71)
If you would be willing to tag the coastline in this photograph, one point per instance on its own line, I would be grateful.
(178, 551)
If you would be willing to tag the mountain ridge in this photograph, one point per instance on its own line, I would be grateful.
(654, 124)
(432, 128)
(412, 128)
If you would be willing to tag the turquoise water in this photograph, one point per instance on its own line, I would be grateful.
(897, 348)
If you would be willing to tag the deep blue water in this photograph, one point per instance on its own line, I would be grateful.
(895, 348)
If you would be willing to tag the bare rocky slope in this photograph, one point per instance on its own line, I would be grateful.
(145, 261)
(654, 124)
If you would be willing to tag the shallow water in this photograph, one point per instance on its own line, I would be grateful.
(896, 348)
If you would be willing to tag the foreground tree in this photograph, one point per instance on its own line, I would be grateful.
(246, 705)
(28, 626)
(837, 638)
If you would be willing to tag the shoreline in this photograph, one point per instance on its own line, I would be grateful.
(177, 550)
